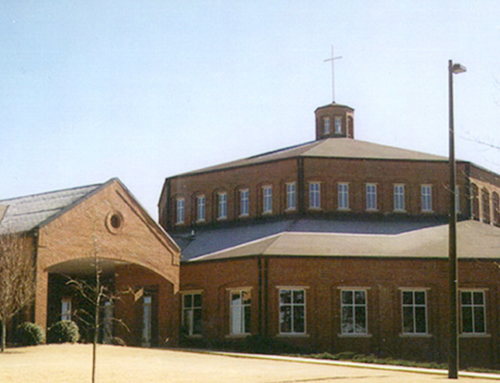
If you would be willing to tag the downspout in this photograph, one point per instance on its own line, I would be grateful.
(468, 191)
(260, 295)
(300, 185)
(35, 262)
(263, 266)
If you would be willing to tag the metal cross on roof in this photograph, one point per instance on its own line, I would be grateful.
(332, 59)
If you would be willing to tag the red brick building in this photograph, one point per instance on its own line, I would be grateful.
(67, 230)
(337, 245)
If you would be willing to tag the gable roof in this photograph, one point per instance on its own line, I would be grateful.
(23, 214)
(329, 148)
(475, 241)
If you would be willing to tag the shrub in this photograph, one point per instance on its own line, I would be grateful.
(30, 334)
(65, 331)
(115, 341)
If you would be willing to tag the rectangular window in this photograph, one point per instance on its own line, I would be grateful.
(414, 312)
(354, 312)
(338, 125)
(426, 195)
(200, 208)
(244, 206)
(343, 196)
(191, 314)
(371, 196)
(399, 197)
(326, 125)
(292, 311)
(290, 196)
(180, 210)
(314, 195)
(222, 211)
(240, 314)
(473, 308)
(267, 199)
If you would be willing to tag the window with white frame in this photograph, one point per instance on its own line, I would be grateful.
(222, 205)
(426, 196)
(240, 312)
(191, 314)
(399, 197)
(180, 211)
(292, 311)
(354, 312)
(267, 194)
(338, 125)
(200, 208)
(343, 196)
(473, 309)
(290, 196)
(66, 309)
(326, 125)
(244, 202)
(314, 195)
(414, 306)
(371, 196)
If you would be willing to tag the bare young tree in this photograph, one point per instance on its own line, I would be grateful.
(17, 271)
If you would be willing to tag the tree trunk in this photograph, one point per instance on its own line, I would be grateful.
(4, 335)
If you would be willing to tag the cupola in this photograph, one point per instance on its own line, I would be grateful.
(334, 121)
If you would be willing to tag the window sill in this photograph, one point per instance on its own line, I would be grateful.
(410, 335)
(474, 335)
(292, 335)
(355, 335)
(242, 216)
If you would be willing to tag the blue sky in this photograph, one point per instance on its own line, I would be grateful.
(144, 90)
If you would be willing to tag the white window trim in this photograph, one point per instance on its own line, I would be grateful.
(247, 213)
(474, 334)
(180, 206)
(267, 199)
(325, 125)
(355, 334)
(191, 292)
(198, 199)
(292, 288)
(430, 196)
(221, 216)
(370, 209)
(397, 209)
(318, 192)
(342, 208)
(414, 305)
(288, 193)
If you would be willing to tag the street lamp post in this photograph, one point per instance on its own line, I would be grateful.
(453, 351)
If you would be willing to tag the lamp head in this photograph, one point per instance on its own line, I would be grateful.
(458, 68)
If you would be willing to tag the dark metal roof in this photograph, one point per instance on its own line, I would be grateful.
(23, 214)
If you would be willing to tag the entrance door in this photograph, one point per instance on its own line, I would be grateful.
(146, 321)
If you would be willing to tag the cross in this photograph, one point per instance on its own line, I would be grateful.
(332, 59)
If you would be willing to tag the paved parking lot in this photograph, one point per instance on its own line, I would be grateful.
(72, 363)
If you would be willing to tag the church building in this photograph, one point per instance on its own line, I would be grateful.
(337, 245)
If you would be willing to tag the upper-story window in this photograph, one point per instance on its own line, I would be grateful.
(326, 125)
(180, 210)
(222, 205)
(496, 208)
(200, 208)
(338, 125)
(314, 195)
(426, 196)
(485, 197)
(290, 196)
(244, 206)
(343, 196)
(267, 193)
(399, 197)
(371, 196)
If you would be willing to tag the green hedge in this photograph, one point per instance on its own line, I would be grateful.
(30, 334)
(64, 331)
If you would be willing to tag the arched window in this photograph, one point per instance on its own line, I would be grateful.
(474, 195)
(496, 209)
(485, 199)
